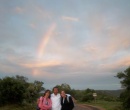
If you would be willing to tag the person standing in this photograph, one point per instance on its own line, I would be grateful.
(55, 98)
(45, 102)
(66, 101)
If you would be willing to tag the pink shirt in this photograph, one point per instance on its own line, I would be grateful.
(45, 103)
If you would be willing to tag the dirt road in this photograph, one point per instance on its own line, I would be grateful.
(85, 107)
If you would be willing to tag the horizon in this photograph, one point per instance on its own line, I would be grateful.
(51, 87)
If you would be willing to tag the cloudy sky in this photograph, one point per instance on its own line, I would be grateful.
(83, 43)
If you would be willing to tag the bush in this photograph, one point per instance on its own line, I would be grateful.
(15, 90)
(11, 90)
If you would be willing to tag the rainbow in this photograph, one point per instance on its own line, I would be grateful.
(45, 40)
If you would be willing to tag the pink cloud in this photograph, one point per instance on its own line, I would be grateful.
(41, 64)
(68, 18)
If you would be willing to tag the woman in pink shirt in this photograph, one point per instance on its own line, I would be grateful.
(45, 101)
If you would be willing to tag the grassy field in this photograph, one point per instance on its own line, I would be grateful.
(106, 105)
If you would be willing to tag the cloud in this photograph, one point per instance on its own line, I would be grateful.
(32, 25)
(41, 64)
(19, 10)
(109, 35)
(70, 18)
(93, 49)
(42, 13)
(119, 64)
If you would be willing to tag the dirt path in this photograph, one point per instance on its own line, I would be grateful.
(85, 107)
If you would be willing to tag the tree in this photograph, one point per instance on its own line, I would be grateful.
(125, 82)
(17, 89)
(65, 87)
(11, 90)
(88, 95)
(32, 91)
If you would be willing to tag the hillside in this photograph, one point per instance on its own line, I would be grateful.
(111, 92)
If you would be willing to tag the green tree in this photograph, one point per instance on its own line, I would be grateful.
(11, 90)
(21, 78)
(65, 87)
(17, 89)
(125, 82)
(88, 95)
(32, 91)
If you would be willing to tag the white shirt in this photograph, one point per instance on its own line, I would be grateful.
(56, 104)
(68, 94)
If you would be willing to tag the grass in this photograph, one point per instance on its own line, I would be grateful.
(19, 107)
(107, 105)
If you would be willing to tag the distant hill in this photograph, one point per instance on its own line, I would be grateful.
(115, 93)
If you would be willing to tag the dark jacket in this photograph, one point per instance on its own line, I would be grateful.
(67, 105)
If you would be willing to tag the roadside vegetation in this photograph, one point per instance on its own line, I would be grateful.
(105, 105)
(18, 107)
(16, 93)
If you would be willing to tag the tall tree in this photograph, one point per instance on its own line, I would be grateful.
(125, 82)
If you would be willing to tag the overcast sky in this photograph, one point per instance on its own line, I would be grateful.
(83, 43)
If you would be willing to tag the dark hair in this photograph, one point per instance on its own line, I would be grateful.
(55, 87)
(46, 92)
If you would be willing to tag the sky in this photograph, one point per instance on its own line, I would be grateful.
(83, 43)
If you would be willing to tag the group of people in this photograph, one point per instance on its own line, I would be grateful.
(55, 101)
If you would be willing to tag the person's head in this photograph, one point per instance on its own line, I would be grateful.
(63, 94)
(47, 93)
(55, 90)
